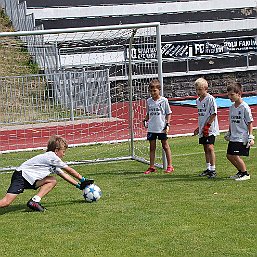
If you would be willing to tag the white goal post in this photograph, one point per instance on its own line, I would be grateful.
(86, 84)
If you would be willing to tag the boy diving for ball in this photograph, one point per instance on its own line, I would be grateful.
(35, 174)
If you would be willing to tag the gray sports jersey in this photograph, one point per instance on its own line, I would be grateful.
(40, 166)
(238, 120)
(206, 108)
(157, 111)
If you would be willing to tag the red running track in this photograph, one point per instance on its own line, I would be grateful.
(184, 120)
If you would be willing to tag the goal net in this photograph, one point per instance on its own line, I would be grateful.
(88, 85)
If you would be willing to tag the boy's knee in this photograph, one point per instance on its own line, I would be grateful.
(50, 180)
(165, 147)
(53, 181)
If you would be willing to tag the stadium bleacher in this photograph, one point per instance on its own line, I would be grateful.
(59, 3)
(178, 18)
(182, 22)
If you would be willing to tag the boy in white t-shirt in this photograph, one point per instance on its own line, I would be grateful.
(157, 121)
(208, 127)
(34, 174)
(240, 134)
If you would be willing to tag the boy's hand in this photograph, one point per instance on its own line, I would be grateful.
(206, 129)
(250, 141)
(167, 127)
(227, 136)
(86, 183)
(145, 122)
(196, 131)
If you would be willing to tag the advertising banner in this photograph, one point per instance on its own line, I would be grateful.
(197, 48)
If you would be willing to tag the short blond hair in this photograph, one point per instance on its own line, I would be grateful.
(56, 142)
(201, 82)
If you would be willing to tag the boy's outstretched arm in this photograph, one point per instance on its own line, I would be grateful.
(83, 182)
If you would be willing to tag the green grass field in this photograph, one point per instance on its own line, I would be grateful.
(156, 215)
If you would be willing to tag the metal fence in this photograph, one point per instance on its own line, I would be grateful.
(55, 97)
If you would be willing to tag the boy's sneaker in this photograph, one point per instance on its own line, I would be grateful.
(169, 169)
(204, 173)
(150, 170)
(35, 206)
(243, 176)
(212, 174)
(236, 175)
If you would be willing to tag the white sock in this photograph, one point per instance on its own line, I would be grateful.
(208, 166)
(36, 198)
(212, 167)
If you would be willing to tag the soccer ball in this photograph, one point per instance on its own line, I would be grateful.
(92, 193)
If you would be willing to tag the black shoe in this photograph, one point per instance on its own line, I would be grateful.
(86, 183)
(35, 206)
(205, 173)
(212, 174)
(238, 175)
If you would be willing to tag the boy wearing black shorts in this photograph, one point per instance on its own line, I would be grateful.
(240, 134)
(157, 121)
(36, 172)
(208, 127)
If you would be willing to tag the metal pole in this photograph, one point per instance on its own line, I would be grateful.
(160, 77)
(71, 99)
(131, 114)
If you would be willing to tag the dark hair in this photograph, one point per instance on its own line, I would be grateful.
(56, 142)
(235, 87)
(155, 83)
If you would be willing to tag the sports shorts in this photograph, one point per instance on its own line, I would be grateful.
(18, 184)
(238, 148)
(210, 140)
(154, 136)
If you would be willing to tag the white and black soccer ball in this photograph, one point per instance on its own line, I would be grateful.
(92, 193)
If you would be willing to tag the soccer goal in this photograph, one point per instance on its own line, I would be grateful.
(87, 84)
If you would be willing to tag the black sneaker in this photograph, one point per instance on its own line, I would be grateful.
(236, 175)
(35, 206)
(86, 183)
(243, 176)
(212, 174)
(205, 173)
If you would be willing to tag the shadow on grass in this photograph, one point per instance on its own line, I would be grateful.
(66, 203)
(159, 175)
(174, 177)
(13, 208)
(116, 172)
(24, 208)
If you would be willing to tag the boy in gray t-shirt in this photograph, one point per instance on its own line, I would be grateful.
(208, 127)
(240, 134)
(157, 120)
